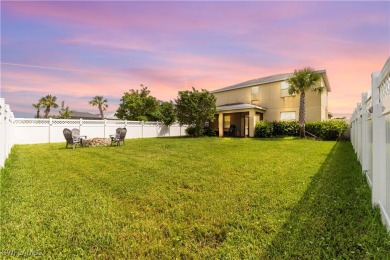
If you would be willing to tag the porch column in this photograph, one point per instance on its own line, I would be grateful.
(252, 122)
(220, 124)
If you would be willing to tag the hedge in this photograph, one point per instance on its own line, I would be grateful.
(325, 130)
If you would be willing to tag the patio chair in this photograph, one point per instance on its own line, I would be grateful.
(76, 135)
(69, 138)
(119, 136)
(232, 130)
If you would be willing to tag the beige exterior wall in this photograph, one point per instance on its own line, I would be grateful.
(270, 97)
(242, 95)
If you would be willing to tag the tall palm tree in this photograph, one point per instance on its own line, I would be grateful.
(38, 107)
(301, 81)
(48, 102)
(101, 103)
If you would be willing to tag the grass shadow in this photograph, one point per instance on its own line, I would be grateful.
(334, 218)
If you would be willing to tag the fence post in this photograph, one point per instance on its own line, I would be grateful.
(2, 133)
(104, 130)
(80, 124)
(359, 133)
(377, 181)
(7, 118)
(364, 147)
(50, 123)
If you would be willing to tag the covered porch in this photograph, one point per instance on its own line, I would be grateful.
(237, 120)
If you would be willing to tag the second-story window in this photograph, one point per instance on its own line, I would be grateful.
(255, 94)
(284, 86)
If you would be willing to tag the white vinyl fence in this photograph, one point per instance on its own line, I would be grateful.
(370, 137)
(6, 131)
(34, 131)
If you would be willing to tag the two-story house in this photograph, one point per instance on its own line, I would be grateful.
(242, 105)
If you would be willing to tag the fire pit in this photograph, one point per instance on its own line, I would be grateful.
(96, 142)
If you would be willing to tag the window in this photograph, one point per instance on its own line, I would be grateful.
(226, 121)
(255, 93)
(287, 116)
(284, 86)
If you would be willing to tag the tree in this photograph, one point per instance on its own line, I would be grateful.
(195, 108)
(138, 105)
(48, 102)
(65, 112)
(167, 113)
(101, 103)
(301, 81)
(38, 107)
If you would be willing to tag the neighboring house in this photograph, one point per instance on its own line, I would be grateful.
(242, 105)
(111, 116)
(87, 115)
(84, 115)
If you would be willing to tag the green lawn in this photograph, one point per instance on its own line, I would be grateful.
(190, 198)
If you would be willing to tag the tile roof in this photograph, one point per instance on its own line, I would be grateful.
(238, 106)
(265, 80)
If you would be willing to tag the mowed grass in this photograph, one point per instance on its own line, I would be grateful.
(190, 198)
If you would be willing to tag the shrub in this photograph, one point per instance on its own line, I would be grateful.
(208, 131)
(289, 128)
(327, 130)
(195, 131)
(263, 129)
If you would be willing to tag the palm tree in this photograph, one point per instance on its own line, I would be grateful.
(65, 112)
(38, 107)
(300, 82)
(101, 103)
(48, 102)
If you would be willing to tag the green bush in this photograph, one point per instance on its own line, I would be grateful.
(263, 129)
(196, 131)
(190, 130)
(327, 130)
(289, 128)
(208, 131)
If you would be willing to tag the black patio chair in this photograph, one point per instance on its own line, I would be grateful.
(119, 136)
(69, 138)
(232, 130)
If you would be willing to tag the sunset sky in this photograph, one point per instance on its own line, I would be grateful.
(76, 50)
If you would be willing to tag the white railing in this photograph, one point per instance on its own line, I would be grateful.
(370, 137)
(34, 131)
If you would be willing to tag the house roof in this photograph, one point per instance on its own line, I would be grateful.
(238, 106)
(111, 116)
(87, 115)
(268, 79)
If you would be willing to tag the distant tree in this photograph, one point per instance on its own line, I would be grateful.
(101, 103)
(301, 81)
(330, 115)
(195, 108)
(65, 112)
(138, 105)
(166, 113)
(48, 102)
(38, 107)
